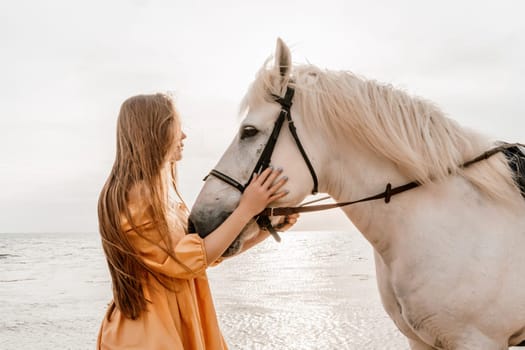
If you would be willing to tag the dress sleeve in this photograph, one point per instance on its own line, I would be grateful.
(217, 262)
(189, 252)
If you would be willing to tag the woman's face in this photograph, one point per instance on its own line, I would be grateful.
(178, 147)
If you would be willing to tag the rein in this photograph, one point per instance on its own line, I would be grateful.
(387, 194)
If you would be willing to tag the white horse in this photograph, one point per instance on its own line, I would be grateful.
(449, 254)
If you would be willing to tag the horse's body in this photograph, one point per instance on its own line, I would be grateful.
(449, 254)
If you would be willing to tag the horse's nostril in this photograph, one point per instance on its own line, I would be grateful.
(191, 227)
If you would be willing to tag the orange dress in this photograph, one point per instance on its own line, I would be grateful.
(181, 318)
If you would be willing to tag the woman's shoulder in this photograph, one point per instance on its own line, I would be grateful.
(138, 205)
(139, 194)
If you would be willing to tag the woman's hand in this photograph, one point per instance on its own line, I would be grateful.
(288, 222)
(262, 190)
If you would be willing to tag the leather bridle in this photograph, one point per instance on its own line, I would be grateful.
(263, 219)
(264, 161)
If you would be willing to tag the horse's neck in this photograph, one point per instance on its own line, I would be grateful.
(356, 173)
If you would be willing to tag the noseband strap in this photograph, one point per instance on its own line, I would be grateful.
(230, 181)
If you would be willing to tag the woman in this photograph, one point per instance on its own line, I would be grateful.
(161, 295)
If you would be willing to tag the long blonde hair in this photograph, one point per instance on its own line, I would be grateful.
(147, 128)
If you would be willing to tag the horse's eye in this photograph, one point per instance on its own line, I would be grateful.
(248, 131)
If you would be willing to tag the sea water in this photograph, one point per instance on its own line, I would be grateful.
(314, 290)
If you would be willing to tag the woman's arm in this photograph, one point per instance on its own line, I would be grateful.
(255, 198)
(287, 223)
(261, 236)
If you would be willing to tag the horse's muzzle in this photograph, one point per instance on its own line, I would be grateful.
(191, 227)
(206, 222)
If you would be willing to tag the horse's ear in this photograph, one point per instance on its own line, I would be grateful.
(283, 58)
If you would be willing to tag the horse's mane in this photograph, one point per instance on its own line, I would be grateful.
(409, 131)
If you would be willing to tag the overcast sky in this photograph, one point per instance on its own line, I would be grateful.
(66, 66)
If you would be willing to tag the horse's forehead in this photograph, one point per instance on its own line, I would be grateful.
(262, 112)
